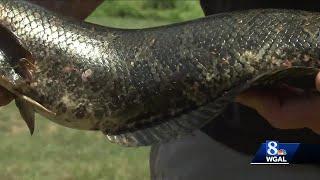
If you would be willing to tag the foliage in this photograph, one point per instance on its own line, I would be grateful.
(160, 4)
(165, 10)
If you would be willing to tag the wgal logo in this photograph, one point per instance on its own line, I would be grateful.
(274, 154)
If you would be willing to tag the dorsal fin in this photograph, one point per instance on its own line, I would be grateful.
(79, 9)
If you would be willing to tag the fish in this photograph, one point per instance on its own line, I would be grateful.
(145, 86)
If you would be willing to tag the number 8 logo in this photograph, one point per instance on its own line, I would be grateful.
(272, 148)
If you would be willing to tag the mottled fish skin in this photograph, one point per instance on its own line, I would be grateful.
(120, 81)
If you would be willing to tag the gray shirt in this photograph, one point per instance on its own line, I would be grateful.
(225, 148)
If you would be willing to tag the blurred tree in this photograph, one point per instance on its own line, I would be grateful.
(160, 4)
(164, 10)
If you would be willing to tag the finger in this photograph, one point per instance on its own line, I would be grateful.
(288, 113)
(299, 112)
(318, 81)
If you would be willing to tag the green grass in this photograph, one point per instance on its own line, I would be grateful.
(143, 9)
(56, 152)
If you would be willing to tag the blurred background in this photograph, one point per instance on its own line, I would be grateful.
(56, 152)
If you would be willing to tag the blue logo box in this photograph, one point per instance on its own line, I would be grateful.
(273, 152)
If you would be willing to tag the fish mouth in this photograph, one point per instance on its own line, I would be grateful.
(19, 57)
(17, 68)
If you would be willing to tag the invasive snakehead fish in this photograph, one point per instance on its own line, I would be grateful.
(142, 86)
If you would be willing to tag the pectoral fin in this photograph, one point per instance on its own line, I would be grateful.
(26, 105)
(5, 83)
(27, 113)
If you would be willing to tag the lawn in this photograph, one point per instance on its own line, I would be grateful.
(56, 152)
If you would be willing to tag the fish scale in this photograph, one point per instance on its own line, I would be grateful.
(144, 86)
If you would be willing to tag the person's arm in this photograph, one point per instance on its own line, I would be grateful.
(210, 7)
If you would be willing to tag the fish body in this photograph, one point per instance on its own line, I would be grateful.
(142, 86)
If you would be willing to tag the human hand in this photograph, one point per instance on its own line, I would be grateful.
(287, 108)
